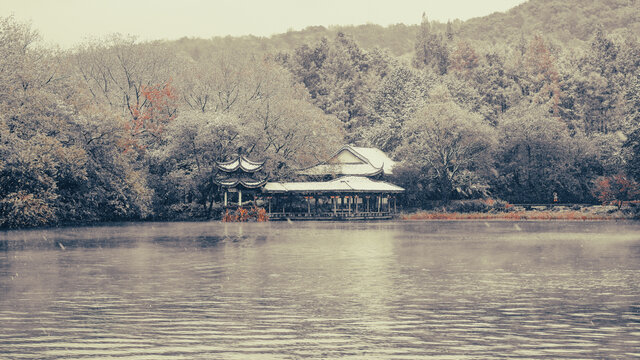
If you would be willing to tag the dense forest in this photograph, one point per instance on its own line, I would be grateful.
(515, 106)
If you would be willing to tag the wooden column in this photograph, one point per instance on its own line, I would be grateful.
(379, 202)
(334, 199)
(225, 198)
(239, 198)
(308, 205)
(269, 201)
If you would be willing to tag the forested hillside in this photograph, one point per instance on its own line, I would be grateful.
(515, 106)
(566, 22)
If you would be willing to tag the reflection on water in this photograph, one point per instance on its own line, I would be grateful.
(435, 290)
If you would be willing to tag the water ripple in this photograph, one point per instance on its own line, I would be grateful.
(446, 290)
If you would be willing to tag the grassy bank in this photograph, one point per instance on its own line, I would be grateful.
(518, 215)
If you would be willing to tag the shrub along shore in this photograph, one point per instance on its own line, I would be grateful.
(496, 210)
(517, 215)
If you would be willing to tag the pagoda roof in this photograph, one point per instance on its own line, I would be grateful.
(240, 162)
(232, 182)
(353, 160)
(345, 184)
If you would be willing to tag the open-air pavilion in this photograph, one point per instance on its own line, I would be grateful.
(345, 198)
(237, 175)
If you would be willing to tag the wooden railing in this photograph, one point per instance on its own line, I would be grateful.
(549, 205)
(337, 215)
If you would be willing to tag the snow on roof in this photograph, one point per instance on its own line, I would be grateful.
(274, 187)
(376, 157)
(246, 182)
(240, 162)
(346, 184)
(374, 161)
(343, 169)
(360, 183)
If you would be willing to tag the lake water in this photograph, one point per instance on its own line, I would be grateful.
(385, 290)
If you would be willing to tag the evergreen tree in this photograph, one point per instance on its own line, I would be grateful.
(430, 49)
(632, 144)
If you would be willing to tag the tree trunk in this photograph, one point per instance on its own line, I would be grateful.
(445, 187)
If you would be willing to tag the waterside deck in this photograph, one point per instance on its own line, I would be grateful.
(331, 216)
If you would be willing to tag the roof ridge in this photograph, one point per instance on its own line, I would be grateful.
(359, 156)
(343, 147)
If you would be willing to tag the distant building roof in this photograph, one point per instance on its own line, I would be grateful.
(346, 184)
(352, 160)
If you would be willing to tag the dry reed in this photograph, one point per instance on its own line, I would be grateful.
(513, 215)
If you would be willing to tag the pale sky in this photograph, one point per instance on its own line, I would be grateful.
(68, 22)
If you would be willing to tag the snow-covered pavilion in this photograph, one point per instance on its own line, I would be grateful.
(240, 174)
(346, 186)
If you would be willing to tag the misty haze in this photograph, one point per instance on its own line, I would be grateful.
(384, 180)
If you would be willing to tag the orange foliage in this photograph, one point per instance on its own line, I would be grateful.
(261, 215)
(616, 189)
(489, 201)
(243, 215)
(152, 115)
(464, 58)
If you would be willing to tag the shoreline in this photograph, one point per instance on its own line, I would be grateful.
(571, 215)
(510, 213)
(402, 218)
